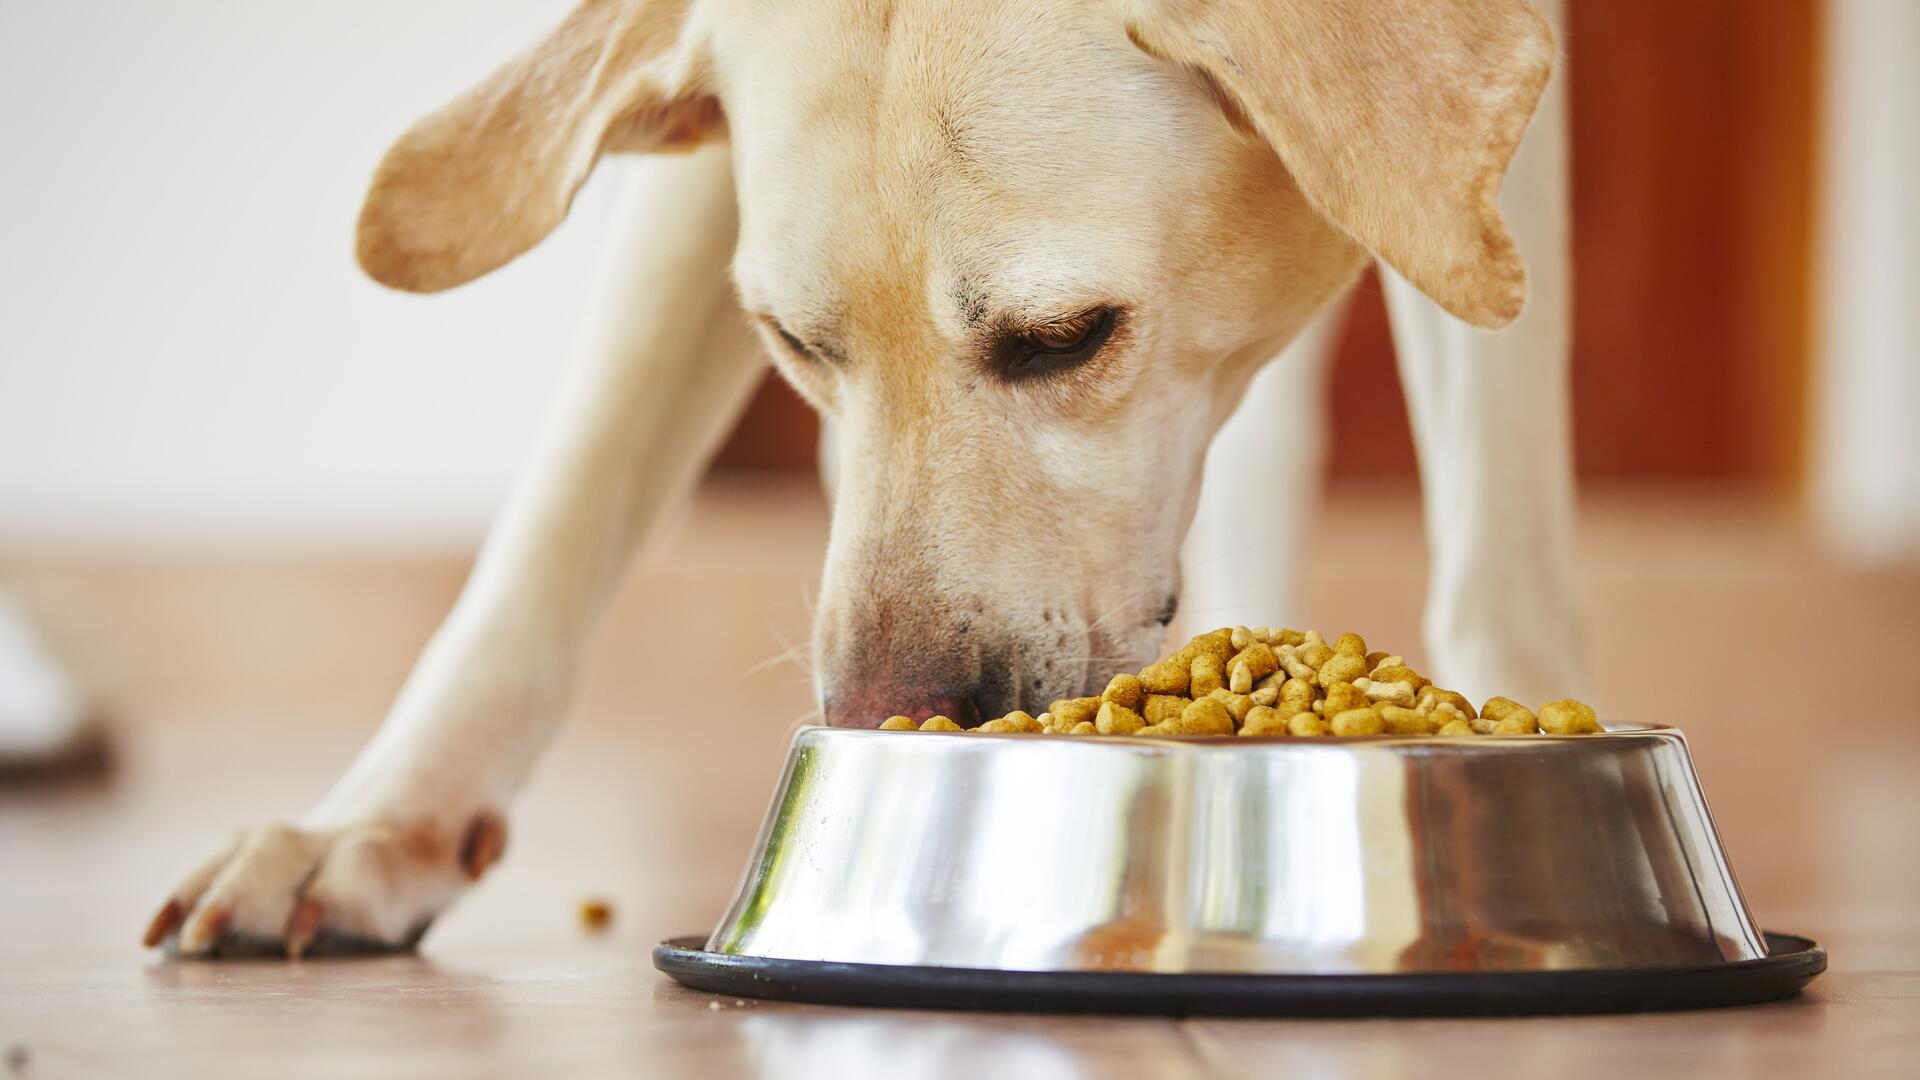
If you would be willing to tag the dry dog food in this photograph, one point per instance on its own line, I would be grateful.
(1261, 681)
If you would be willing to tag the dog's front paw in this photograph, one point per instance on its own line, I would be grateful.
(372, 887)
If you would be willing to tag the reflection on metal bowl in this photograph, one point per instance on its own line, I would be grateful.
(1296, 856)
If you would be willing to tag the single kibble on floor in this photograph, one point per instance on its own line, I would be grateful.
(595, 915)
(940, 723)
(1123, 689)
(1117, 720)
(1206, 716)
(899, 723)
(1568, 717)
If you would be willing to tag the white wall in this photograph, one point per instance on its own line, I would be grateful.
(1866, 419)
(187, 351)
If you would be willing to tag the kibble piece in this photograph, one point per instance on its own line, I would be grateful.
(1215, 643)
(1153, 729)
(1259, 658)
(596, 914)
(1123, 689)
(1394, 693)
(1496, 707)
(1518, 722)
(940, 723)
(1375, 659)
(1298, 692)
(1391, 673)
(1453, 728)
(1165, 677)
(1262, 720)
(1238, 705)
(1208, 675)
(1357, 722)
(1569, 717)
(899, 723)
(1117, 720)
(1206, 716)
(1482, 726)
(1431, 697)
(1240, 638)
(1161, 708)
(996, 727)
(1342, 696)
(1047, 722)
(1081, 728)
(1314, 655)
(1351, 644)
(1265, 695)
(1404, 721)
(1023, 723)
(1306, 723)
(1074, 710)
(1340, 668)
(1283, 636)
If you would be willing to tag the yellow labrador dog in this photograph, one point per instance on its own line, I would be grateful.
(1026, 257)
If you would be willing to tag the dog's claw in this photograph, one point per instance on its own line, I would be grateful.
(165, 921)
(302, 925)
(484, 843)
(206, 928)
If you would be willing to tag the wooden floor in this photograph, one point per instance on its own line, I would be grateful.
(240, 686)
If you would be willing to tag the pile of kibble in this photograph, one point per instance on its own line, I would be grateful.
(1279, 682)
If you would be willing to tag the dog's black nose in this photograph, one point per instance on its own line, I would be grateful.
(867, 706)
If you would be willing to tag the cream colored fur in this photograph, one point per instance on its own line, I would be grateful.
(914, 179)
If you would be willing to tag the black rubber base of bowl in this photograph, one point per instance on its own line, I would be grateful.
(1794, 961)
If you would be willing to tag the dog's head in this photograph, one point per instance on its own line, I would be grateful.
(1025, 254)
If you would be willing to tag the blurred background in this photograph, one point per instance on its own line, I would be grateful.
(240, 484)
(188, 355)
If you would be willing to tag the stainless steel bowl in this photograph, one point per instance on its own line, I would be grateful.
(1306, 856)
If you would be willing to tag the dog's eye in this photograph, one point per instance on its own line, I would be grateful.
(786, 338)
(1055, 346)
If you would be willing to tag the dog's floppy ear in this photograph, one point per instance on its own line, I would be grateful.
(1396, 118)
(488, 176)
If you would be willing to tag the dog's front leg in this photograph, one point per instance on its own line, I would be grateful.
(1492, 423)
(419, 813)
